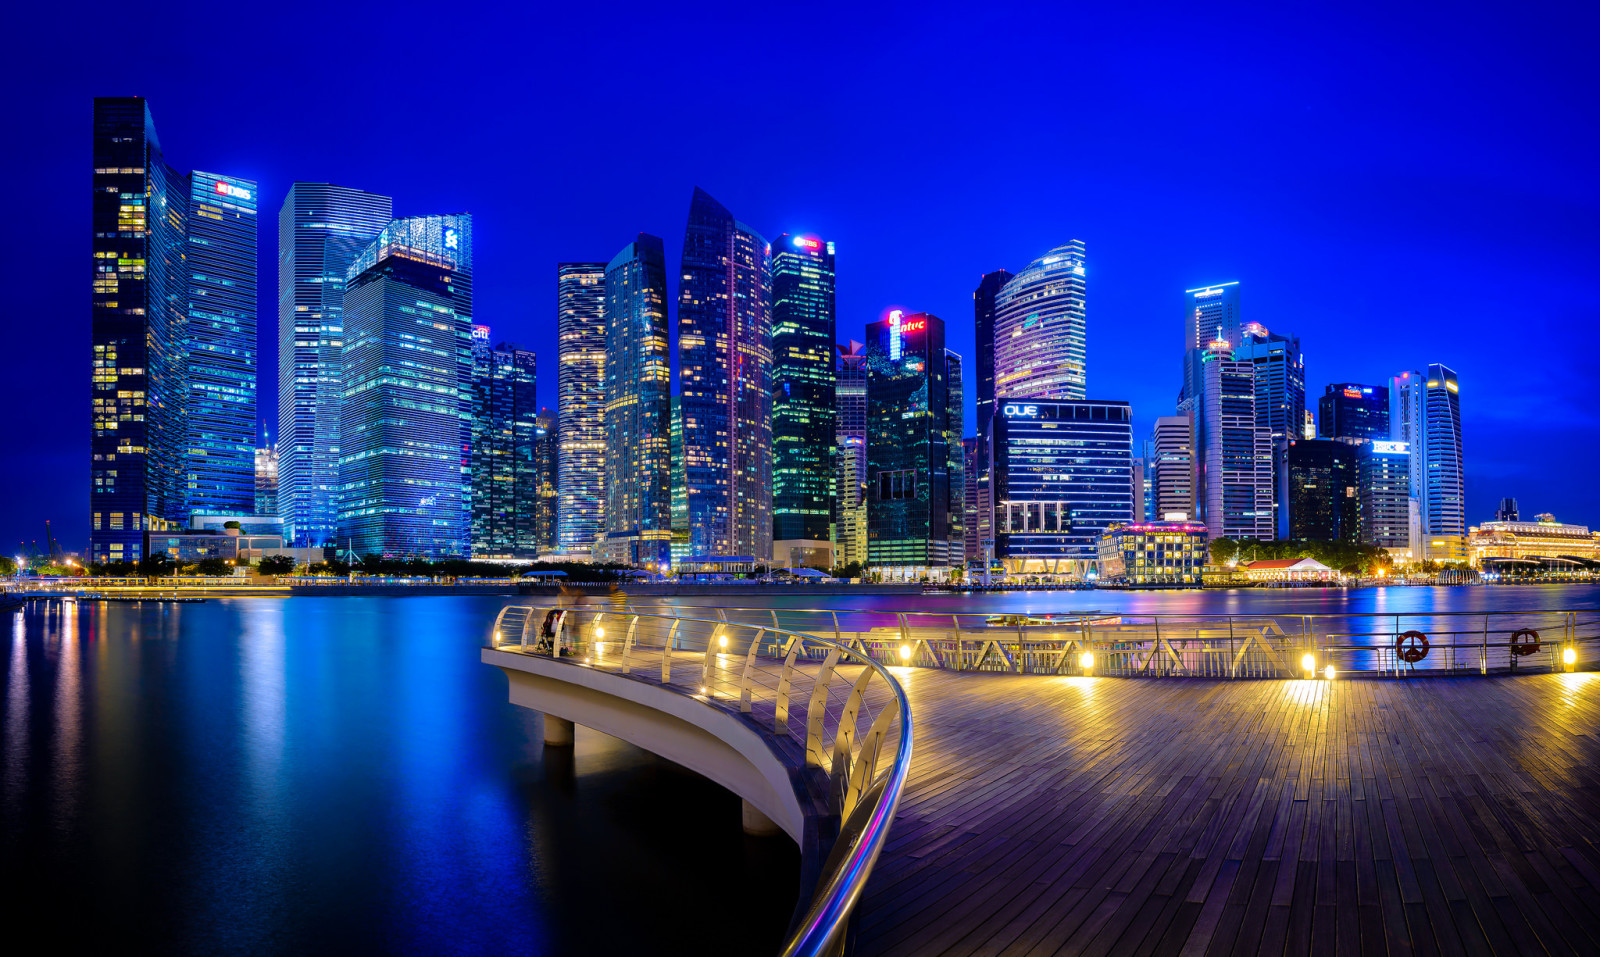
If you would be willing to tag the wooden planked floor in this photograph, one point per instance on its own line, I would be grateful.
(1116, 816)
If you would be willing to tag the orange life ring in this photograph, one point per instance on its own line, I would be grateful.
(1522, 648)
(1411, 647)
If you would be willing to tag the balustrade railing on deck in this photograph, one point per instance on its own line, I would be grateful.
(816, 700)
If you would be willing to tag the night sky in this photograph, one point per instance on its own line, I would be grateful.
(1398, 186)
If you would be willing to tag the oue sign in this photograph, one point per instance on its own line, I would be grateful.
(1020, 411)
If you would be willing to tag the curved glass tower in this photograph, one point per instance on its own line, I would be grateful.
(1039, 329)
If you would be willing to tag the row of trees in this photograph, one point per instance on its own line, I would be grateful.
(1347, 557)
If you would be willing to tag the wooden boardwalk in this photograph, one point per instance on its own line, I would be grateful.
(1114, 816)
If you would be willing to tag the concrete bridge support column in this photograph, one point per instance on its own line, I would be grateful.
(557, 732)
(756, 824)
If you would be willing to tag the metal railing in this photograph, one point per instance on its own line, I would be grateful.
(813, 699)
(1191, 645)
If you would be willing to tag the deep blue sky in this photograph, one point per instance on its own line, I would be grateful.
(1397, 185)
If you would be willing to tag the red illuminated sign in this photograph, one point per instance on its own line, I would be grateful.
(807, 243)
(914, 326)
(1352, 393)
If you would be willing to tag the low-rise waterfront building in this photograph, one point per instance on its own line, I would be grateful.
(1287, 570)
(1544, 540)
(1153, 553)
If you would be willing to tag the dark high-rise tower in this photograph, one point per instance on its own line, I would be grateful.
(725, 383)
(638, 409)
(581, 386)
(983, 316)
(505, 479)
(802, 395)
(139, 329)
(321, 228)
(1349, 410)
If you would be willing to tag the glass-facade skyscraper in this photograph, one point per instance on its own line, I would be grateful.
(1172, 471)
(1280, 385)
(405, 425)
(221, 261)
(725, 383)
(1385, 482)
(1425, 413)
(914, 453)
(1040, 328)
(803, 432)
(1350, 410)
(850, 457)
(321, 228)
(1211, 314)
(506, 499)
(1062, 476)
(581, 386)
(138, 329)
(638, 409)
(1321, 490)
(1233, 454)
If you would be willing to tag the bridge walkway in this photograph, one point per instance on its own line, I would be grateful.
(1088, 815)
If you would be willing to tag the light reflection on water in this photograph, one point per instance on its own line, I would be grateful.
(340, 775)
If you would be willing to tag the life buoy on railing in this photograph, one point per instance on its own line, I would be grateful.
(1411, 647)
(1521, 647)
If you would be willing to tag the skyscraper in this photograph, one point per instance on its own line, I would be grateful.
(1321, 490)
(725, 383)
(1039, 329)
(850, 455)
(405, 426)
(321, 228)
(1212, 314)
(505, 431)
(1173, 471)
(1062, 477)
(1425, 411)
(638, 409)
(803, 430)
(1385, 493)
(580, 424)
(544, 464)
(1507, 512)
(913, 446)
(1349, 410)
(267, 479)
(1280, 387)
(984, 305)
(221, 263)
(138, 329)
(1233, 453)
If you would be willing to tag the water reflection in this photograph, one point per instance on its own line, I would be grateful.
(335, 776)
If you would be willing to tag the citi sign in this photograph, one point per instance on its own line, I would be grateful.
(1020, 411)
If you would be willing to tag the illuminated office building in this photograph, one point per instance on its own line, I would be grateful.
(1425, 412)
(725, 383)
(972, 550)
(321, 228)
(544, 467)
(506, 498)
(221, 263)
(266, 469)
(638, 409)
(914, 495)
(1153, 554)
(1349, 410)
(1321, 491)
(580, 424)
(850, 456)
(1062, 476)
(405, 426)
(1211, 314)
(1507, 512)
(172, 330)
(1385, 488)
(1233, 491)
(1172, 471)
(1039, 329)
(1280, 396)
(803, 431)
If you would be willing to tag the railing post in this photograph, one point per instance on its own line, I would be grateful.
(708, 679)
(780, 714)
(1232, 671)
(1483, 650)
(627, 645)
(666, 652)
(747, 678)
(818, 709)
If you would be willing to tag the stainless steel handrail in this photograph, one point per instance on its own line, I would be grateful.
(1188, 644)
(520, 628)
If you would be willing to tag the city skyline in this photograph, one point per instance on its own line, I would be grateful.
(1281, 234)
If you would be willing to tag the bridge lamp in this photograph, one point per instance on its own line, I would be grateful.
(599, 631)
(1086, 660)
(1329, 672)
(1569, 656)
(905, 652)
(1309, 663)
(722, 642)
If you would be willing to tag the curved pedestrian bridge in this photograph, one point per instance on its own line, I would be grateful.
(1083, 814)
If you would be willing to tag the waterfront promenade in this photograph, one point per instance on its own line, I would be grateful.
(1114, 816)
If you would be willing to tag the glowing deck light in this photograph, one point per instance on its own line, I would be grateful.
(1328, 672)
(905, 652)
(599, 631)
(1570, 656)
(1086, 660)
(1309, 663)
(722, 642)
(703, 689)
